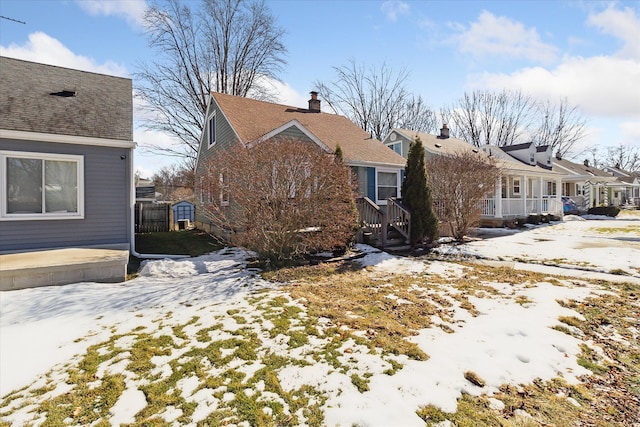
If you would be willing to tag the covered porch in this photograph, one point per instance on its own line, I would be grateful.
(523, 195)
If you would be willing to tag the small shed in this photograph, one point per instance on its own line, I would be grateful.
(183, 211)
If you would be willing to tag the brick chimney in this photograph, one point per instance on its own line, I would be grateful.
(444, 132)
(314, 102)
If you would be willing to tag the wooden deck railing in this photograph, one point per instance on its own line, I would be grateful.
(373, 218)
(377, 220)
(399, 218)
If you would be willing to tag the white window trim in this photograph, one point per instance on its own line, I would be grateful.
(4, 216)
(215, 130)
(224, 190)
(398, 184)
(513, 186)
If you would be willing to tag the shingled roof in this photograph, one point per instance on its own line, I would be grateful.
(253, 120)
(54, 100)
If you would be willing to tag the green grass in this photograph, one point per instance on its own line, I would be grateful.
(187, 242)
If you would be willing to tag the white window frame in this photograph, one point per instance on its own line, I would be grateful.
(519, 186)
(210, 134)
(79, 160)
(398, 184)
(224, 188)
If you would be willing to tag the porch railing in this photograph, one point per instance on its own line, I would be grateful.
(377, 220)
(516, 207)
(373, 218)
(399, 218)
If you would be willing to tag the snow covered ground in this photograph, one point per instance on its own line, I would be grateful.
(44, 331)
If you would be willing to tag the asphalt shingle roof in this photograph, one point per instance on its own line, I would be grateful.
(100, 106)
(253, 119)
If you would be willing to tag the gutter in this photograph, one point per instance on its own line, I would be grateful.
(132, 203)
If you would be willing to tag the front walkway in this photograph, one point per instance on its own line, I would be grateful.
(62, 266)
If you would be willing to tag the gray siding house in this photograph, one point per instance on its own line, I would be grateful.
(232, 119)
(66, 149)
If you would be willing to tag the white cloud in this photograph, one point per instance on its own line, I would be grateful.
(622, 24)
(46, 50)
(394, 8)
(147, 162)
(500, 36)
(131, 10)
(630, 133)
(603, 86)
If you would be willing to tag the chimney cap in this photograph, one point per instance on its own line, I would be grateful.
(314, 102)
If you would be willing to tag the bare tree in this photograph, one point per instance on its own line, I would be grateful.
(511, 117)
(228, 46)
(625, 157)
(175, 182)
(485, 117)
(376, 99)
(561, 126)
(459, 183)
(281, 198)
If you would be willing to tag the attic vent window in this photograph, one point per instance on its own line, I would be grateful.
(64, 93)
(438, 145)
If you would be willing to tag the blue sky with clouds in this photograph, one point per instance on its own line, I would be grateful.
(587, 51)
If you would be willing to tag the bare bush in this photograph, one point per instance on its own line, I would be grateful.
(281, 198)
(459, 182)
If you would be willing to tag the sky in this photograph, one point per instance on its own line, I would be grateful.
(586, 51)
(42, 330)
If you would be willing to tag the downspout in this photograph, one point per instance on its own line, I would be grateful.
(132, 224)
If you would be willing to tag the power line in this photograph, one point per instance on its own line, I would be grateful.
(11, 19)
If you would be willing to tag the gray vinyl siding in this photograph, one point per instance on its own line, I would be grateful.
(225, 138)
(107, 218)
(294, 133)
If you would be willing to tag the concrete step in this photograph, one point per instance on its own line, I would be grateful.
(61, 267)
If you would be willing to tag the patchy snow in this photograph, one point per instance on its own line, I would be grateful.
(45, 329)
(604, 245)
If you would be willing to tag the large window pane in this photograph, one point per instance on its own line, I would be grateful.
(24, 185)
(61, 186)
(387, 185)
(387, 179)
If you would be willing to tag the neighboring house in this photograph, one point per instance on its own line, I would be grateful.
(232, 119)
(626, 191)
(66, 147)
(528, 185)
(587, 185)
(145, 191)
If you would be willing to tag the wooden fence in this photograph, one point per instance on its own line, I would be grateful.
(152, 217)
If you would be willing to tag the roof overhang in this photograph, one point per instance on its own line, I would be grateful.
(367, 164)
(65, 139)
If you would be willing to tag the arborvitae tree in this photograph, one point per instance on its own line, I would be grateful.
(416, 196)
